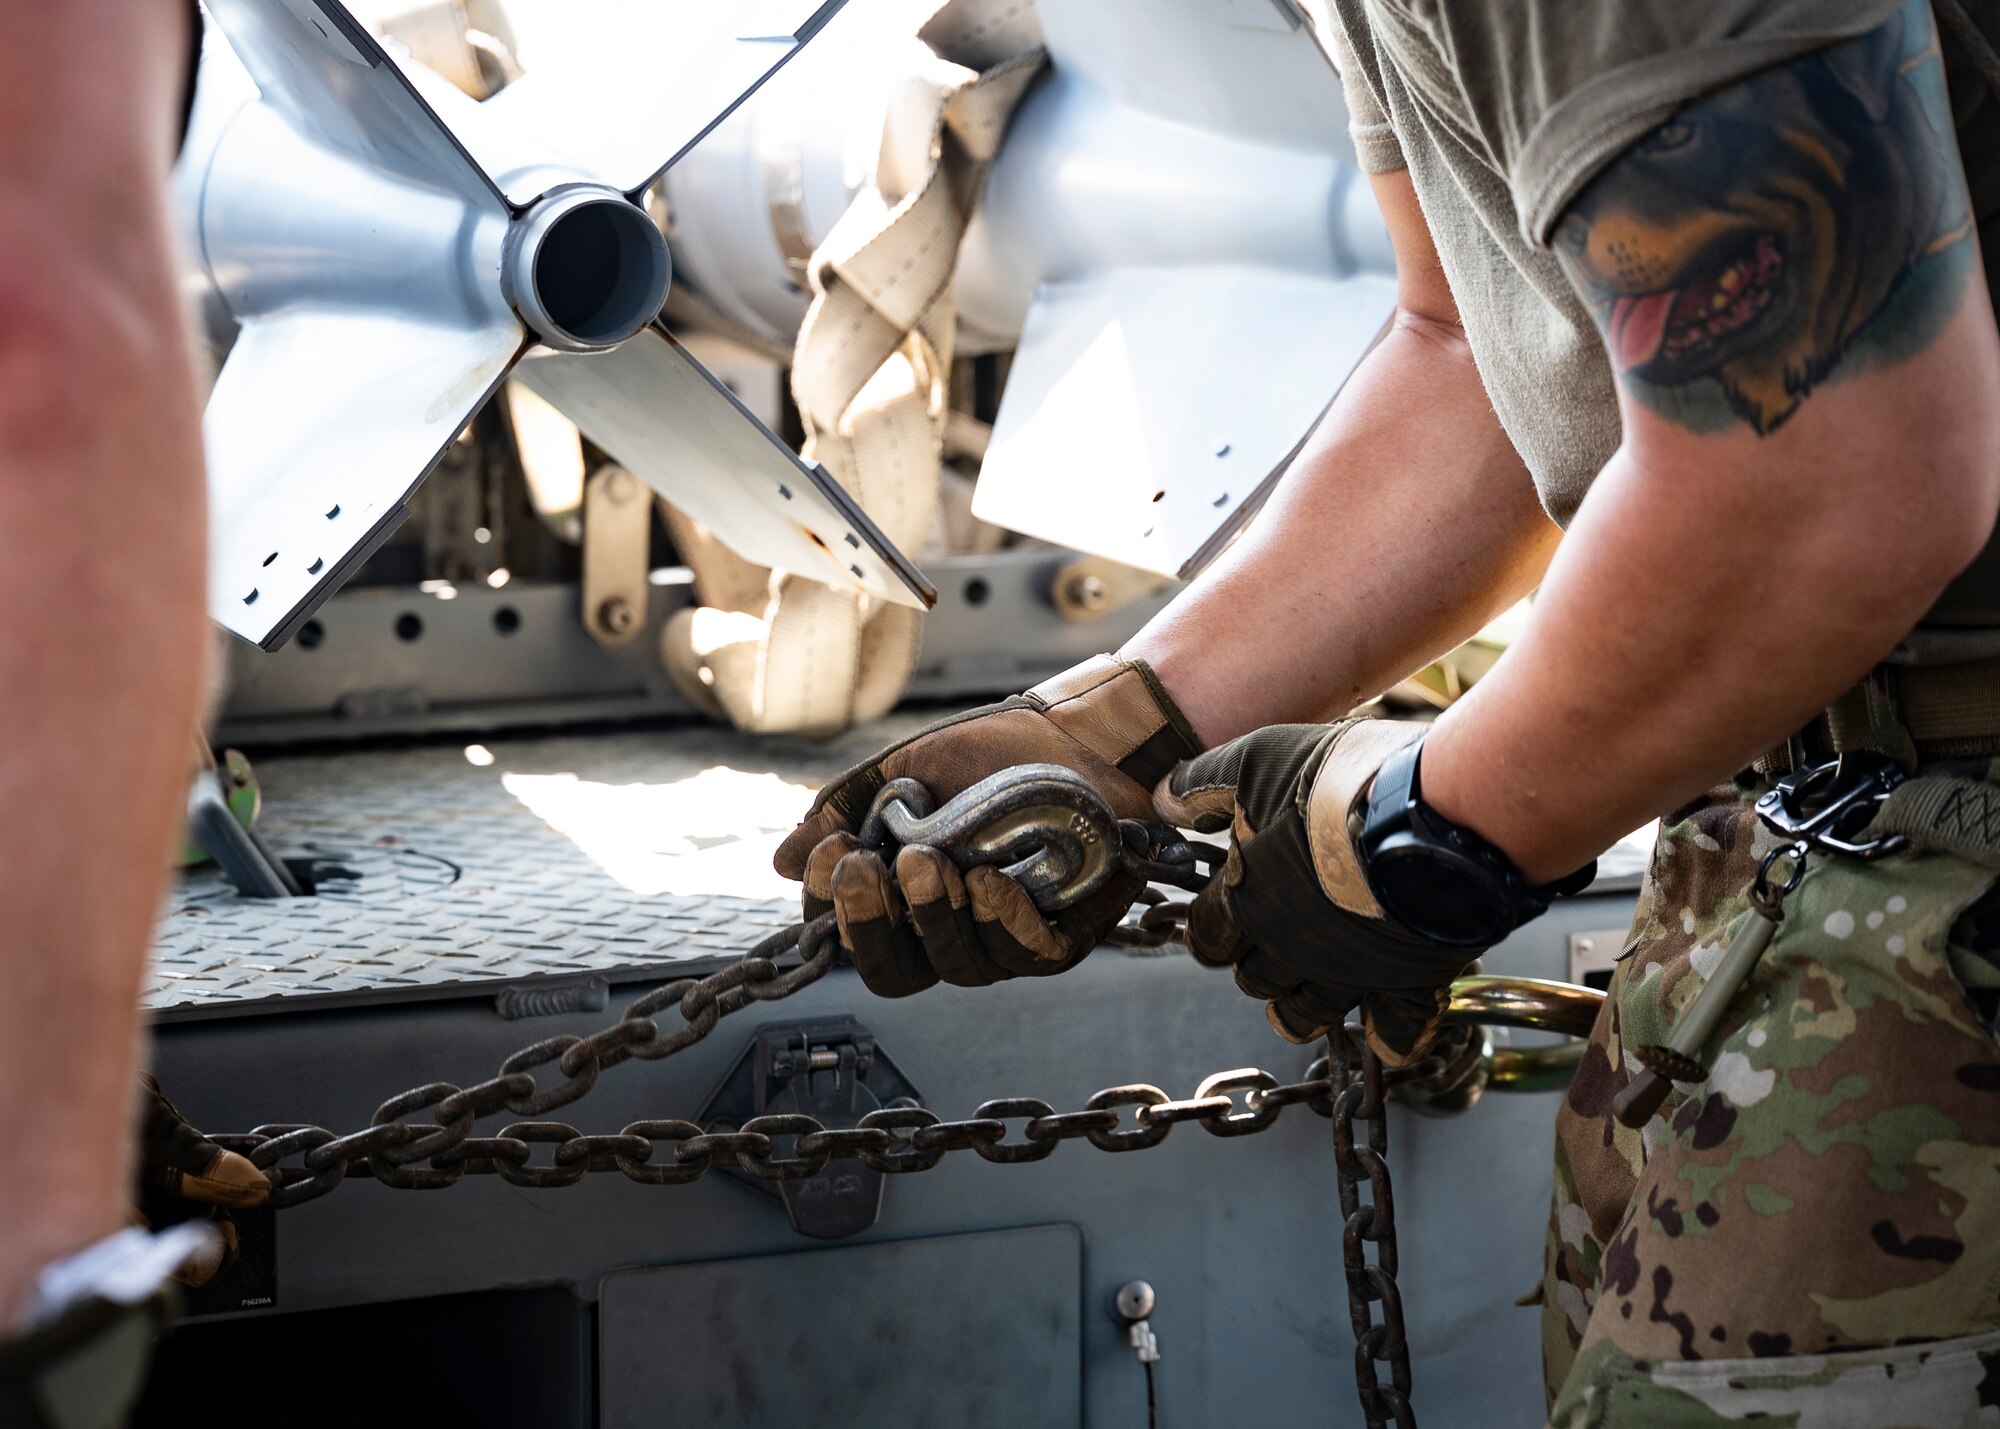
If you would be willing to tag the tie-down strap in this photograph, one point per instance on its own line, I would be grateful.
(1946, 813)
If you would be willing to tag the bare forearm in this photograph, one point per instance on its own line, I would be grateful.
(1711, 601)
(1406, 524)
(102, 645)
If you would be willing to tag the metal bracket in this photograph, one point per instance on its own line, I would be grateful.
(617, 532)
(831, 1070)
(222, 805)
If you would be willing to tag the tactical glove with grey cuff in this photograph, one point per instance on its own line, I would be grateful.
(925, 921)
(1291, 912)
(183, 1177)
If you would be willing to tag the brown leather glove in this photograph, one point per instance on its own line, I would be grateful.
(1107, 719)
(184, 1176)
(1291, 911)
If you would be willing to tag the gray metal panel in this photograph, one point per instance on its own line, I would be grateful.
(673, 425)
(631, 854)
(991, 1324)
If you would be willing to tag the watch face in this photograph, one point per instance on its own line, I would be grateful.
(1440, 894)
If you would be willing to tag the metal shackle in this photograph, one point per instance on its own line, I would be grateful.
(1043, 825)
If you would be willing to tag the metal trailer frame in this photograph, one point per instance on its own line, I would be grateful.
(397, 660)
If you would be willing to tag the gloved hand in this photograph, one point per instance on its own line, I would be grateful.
(1291, 911)
(185, 1176)
(1107, 719)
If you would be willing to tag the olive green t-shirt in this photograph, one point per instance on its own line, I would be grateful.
(1503, 110)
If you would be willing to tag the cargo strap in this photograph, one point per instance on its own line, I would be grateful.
(469, 42)
(779, 653)
(1945, 813)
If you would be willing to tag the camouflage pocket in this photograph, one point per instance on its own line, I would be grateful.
(1834, 1185)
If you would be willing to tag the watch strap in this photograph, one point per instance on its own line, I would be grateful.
(1333, 788)
(79, 1354)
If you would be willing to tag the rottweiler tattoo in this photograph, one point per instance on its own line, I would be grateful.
(1811, 217)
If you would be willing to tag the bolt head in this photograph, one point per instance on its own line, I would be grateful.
(1087, 592)
(618, 615)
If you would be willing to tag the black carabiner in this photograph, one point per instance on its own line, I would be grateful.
(1827, 808)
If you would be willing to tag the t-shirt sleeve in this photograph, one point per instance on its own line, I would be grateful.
(1582, 84)
(1375, 144)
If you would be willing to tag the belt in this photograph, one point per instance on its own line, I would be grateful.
(1911, 713)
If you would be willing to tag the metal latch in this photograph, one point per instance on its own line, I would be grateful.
(617, 532)
(831, 1070)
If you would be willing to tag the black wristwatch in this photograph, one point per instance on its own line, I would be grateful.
(1441, 880)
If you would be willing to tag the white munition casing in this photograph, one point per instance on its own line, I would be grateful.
(388, 252)
(1175, 239)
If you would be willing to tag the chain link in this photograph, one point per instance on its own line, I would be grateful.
(1361, 1097)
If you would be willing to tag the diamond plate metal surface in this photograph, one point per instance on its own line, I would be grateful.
(447, 868)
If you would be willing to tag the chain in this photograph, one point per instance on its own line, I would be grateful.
(428, 1156)
(305, 1162)
(785, 1147)
(1362, 1083)
(391, 1149)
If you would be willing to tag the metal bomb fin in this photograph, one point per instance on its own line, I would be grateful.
(382, 287)
(1117, 375)
(681, 67)
(303, 485)
(334, 217)
(322, 72)
(1227, 271)
(719, 464)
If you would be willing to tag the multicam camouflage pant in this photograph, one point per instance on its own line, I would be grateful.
(1812, 1237)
